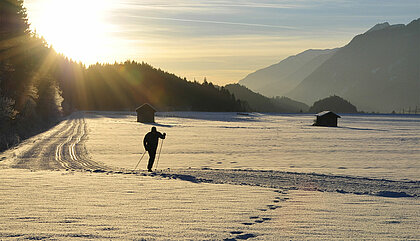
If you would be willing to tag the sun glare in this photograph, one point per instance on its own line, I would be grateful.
(76, 28)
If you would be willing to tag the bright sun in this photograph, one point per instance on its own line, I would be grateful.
(76, 28)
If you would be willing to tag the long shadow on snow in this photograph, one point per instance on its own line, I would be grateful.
(359, 129)
(157, 124)
(302, 181)
(183, 177)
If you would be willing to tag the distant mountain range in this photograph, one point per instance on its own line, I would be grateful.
(377, 71)
(278, 79)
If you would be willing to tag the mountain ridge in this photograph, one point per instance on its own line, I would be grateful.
(260, 103)
(279, 78)
(377, 71)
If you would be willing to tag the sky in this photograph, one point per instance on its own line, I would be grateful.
(218, 39)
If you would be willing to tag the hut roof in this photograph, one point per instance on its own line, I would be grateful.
(327, 113)
(144, 107)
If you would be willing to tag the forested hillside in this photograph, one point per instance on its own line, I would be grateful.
(127, 85)
(37, 85)
(260, 103)
(333, 103)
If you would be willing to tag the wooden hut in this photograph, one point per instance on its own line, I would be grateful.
(326, 118)
(146, 113)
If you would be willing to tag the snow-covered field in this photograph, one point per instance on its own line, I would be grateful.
(61, 205)
(73, 205)
(75, 181)
(375, 146)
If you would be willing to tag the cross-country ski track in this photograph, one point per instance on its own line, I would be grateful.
(62, 147)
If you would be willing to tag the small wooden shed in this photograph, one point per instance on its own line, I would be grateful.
(326, 118)
(146, 113)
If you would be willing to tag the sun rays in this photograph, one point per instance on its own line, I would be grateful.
(75, 28)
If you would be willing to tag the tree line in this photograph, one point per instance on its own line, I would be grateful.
(29, 95)
(38, 86)
(124, 86)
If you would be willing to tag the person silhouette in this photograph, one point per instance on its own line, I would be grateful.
(150, 143)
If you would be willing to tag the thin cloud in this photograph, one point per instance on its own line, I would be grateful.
(219, 4)
(220, 22)
(207, 6)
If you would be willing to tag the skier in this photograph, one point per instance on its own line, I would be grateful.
(150, 143)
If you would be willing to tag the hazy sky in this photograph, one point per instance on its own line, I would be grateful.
(222, 40)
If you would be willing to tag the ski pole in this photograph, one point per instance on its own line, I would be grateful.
(139, 161)
(157, 163)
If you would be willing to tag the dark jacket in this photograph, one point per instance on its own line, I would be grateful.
(151, 140)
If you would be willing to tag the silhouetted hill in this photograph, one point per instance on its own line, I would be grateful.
(127, 85)
(333, 103)
(377, 70)
(260, 103)
(280, 78)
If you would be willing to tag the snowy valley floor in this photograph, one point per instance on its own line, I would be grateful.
(79, 205)
(75, 182)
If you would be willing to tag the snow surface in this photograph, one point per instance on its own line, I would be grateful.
(99, 197)
(60, 205)
(374, 146)
(80, 206)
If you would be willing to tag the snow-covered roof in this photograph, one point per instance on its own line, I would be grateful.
(327, 112)
(146, 106)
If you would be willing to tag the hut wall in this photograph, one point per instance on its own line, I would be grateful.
(326, 121)
(146, 117)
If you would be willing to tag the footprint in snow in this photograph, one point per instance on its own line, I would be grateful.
(241, 237)
(392, 222)
(245, 236)
(273, 207)
(109, 229)
(248, 224)
(262, 220)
